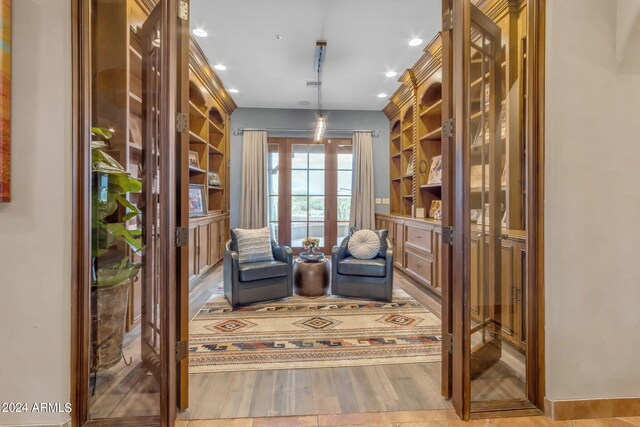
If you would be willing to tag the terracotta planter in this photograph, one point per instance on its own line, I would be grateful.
(108, 308)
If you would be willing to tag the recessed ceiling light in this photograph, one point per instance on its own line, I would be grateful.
(219, 67)
(415, 42)
(233, 90)
(391, 74)
(279, 36)
(382, 95)
(303, 102)
(199, 32)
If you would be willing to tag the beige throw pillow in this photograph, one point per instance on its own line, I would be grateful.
(364, 244)
(254, 245)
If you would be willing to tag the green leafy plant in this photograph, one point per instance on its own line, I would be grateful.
(111, 184)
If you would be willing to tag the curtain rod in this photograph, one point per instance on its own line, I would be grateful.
(239, 131)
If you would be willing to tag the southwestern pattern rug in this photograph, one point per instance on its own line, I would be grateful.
(302, 332)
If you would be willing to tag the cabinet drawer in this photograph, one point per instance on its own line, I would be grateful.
(420, 238)
(420, 267)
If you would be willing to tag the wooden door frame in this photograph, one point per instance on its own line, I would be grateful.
(284, 184)
(455, 381)
(81, 219)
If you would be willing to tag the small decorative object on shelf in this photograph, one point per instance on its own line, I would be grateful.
(214, 179)
(435, 211)
(476, 177)
(135, 129)
(475, 214)
(484, 219)
(435, 172)
(193, 159)
(420, 212)
(196, 200)
(423, 167)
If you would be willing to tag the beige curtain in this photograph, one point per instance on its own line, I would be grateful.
(253, 209)
(362, 199)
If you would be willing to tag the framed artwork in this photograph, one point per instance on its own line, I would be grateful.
(435, 171)
(409, 170)
(196, 200)
(194, 161)
(135, 129)
(214, 180)
(5, 108)
(420, 212)
(475, 214)
(435, 211)
(484, 217)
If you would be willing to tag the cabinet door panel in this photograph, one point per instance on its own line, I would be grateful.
(193, 251)
(507, 291)
(398, 246)
(475, 278)
(203, 245)
(214, 240)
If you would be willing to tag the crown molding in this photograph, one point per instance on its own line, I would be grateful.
(201, 67)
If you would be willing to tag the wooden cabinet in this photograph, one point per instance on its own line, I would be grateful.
(207, 237)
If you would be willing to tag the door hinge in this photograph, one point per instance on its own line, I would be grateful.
(183, 10)
(182, 123)
(447, 235)
(182, 237)
(449, 128)
(447, 342)
(447, 21)
(182, 350)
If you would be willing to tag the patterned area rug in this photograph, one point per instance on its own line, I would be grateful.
(301, 332)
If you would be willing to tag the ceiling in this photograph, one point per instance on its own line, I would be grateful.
(365, 39)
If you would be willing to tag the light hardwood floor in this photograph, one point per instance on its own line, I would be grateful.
(437, 418)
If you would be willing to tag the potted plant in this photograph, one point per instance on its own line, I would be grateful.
(113, 246)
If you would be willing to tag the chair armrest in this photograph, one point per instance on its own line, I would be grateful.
(231, 274)
(389, 253)
(282, 254)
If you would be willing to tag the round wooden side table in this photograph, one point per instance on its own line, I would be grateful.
(310, 279)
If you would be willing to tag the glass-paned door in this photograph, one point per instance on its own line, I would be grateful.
(489, 358)
(309, 187)
(130, 357)
(308, 198)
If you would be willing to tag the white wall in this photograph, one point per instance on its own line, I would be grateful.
(278, 118)
(35, 228)
(592, 239)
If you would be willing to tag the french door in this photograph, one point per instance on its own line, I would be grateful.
(492, 311)
(309, 190)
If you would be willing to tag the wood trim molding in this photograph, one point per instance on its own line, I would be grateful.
(202, 68)
(562, 410)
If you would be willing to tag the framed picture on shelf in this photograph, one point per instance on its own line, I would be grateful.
(435, 211)
(435, 171)
(214, 179)
(409, 170)
(420, 212)
(484, 219)
(196, 200)
(476, 177)
(475, 214)
(194, 161)
(503, 122)
(135, 130)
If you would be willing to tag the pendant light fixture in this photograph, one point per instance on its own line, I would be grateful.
(321, 122)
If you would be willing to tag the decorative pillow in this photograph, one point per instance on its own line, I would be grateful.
(383, 234)
(364, 244)
(253, 245)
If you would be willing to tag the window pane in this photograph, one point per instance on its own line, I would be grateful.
(345, 157)
(299, 208)
(316, 183)
(344, 182)
(273, 159)
(316, 208)
(298, 233)
(316, 156)
(299, 156)
(343, 231)
(344, 208)
(273, 181)
(299, 182)
(274, 230)
(316, 229)
(273, 208)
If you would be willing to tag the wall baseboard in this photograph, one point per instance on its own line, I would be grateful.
(562, 410)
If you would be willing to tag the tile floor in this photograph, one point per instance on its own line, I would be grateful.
(437, 418)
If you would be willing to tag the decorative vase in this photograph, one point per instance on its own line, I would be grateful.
(109, 308)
